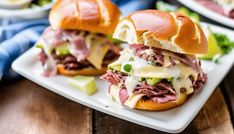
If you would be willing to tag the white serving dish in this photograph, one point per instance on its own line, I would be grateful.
(172, 121)
(27, 13)
(192, 4)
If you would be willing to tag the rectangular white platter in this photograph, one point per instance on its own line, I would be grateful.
(192, 4)
(172, 121)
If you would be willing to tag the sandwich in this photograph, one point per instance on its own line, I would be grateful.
(158, 70)
(79, 42)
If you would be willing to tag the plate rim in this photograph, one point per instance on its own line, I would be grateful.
(192, 4)
(7, 13)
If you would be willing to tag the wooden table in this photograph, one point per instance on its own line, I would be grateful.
(26, 108)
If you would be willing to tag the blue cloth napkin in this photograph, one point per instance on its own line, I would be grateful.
(17, 36)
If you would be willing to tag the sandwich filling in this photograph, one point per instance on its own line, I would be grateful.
(75, 50)
(150, 73)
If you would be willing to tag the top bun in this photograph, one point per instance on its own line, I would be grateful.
(170, 31)
(97, 16)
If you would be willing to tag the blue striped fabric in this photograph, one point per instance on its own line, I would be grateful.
(18, 36)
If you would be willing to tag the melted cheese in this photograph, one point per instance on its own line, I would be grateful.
(98, 49)
(183, 80)
(50, 65)
(131, 101)
(97, 54)
(130, 83)
(156, 72)
(114, 93)
(140, 67)
(167, 62)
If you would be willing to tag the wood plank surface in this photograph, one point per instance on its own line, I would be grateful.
(106, 124)
(228, 90)
(30, 109)
(26, 108)
(214, 118)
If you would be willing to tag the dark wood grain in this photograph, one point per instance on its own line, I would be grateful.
(214, 118)
(30, 109)
(26, 108)
(228, 90)
(106, 124)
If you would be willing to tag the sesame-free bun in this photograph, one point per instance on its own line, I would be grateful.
(170, 31)
(90, 71)
(154, 106)
(97, 16)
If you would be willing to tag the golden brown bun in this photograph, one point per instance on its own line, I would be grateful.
(170, 31)
(98, 16)
(87, 71)
(153, 106)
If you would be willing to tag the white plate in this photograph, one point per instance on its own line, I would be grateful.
(28, 13)
(175, 120)
(208, 13)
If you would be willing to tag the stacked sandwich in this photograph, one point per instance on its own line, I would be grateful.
(78, 41)
(158, 70)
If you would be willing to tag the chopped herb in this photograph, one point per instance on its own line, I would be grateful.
(131, 59)
(127, 68)
(224, 42)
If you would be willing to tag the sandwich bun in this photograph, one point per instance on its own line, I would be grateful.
(97, 16)
(154, 106)
(150, 105)
(90, 71)
(171, 31)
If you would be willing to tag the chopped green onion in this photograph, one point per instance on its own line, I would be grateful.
(127, 68)
(131, 59)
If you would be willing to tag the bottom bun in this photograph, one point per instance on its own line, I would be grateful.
(149, 104)
(154, 106)
(86, 71)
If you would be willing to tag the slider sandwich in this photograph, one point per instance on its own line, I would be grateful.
(159, 70)
(79, 42)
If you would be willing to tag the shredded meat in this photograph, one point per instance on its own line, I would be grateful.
(160, 92)
(70, 62)
(157, 58)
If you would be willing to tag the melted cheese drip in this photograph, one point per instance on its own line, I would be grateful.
(130, 83)
(50, 65)
(130, 102)
(97, 54)
(167, 62)
(183, 80)
(98, 49)
(140, 67)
